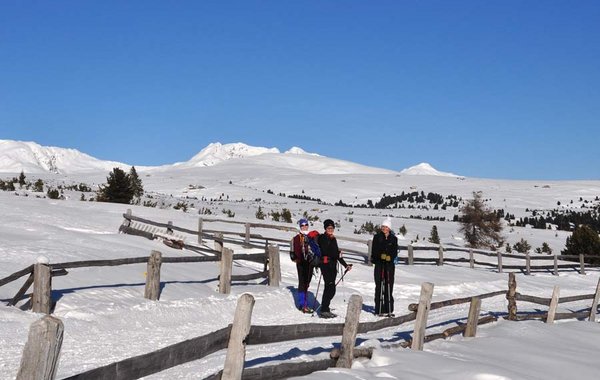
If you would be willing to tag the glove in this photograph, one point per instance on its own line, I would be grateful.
(348, 267)
(293, 256)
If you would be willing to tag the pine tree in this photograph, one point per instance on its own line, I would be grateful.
(135, 182)
(403, 230)
(260, 214)
(22, 179)
(480, 225)
(434, 237)
(522, 246)
(38, 186)
(584, 240)
(117, 189)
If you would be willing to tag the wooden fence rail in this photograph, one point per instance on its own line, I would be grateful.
(365, 255)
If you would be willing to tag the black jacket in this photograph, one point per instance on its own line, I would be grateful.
(386, 247)
(329, 248)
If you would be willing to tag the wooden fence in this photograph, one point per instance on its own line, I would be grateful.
(241, 333)
(40, 275)
(148, 228)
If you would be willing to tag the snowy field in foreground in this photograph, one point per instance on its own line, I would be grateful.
(107, 319)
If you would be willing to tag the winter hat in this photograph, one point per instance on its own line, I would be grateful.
(387, 222)
(327, 223)
(302, 221)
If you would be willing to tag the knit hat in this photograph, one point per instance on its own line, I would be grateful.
(328, 223)
(387, 222)
(302, 221)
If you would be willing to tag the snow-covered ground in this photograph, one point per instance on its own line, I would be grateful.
(107, 319)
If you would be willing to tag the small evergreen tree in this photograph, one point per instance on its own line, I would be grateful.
(260, 214)
(403, 230)
(480, 225)
(10, 186)
(584, 240)
(135, 182)
(434, 236)
(286, 215)
(38, 186)
(53, 194)
(117, 188)
(508, 248)
(522, 246)
(22, 179)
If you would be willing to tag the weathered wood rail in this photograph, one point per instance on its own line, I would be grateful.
(200, 347)
(250, 240)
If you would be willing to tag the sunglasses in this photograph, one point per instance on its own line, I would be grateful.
(304, 225)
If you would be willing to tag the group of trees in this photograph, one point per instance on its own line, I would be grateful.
(121, 187)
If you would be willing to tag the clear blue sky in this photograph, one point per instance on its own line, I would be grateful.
(496, 89)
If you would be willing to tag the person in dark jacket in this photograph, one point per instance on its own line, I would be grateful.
(330, 255)
(383, 255)
(300, 255)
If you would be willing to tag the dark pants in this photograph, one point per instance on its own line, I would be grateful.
(329, 272)
(384, 287)
(305, 273)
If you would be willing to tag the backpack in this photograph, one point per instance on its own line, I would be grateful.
(313, 256)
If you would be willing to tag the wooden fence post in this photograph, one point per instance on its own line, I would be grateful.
(440, 256)
(527, 264)
(369, 251)
(555, 265)
(511, 297)
(42, 288)
(225, 276)
(42, 350)
(127, 221)
(169, 228)
(594, 307)
(236, 350)
(471, 259)
(350, 330)
(471, 329)
(247, 236)
(200, 231)
(422, 313)
(499, 262)
(411, 257)
(581, 264)
(152, 290)
(553, 304)
(274, 267)
(218, 241)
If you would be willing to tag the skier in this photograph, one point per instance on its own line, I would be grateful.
(383, 254)
(330, 255)
(300, 254)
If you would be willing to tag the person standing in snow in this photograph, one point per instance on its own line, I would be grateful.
(300, 254)
(383, 254)
(330, 255)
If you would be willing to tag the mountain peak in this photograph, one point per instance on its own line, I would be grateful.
(425, 169)
(297, 150)
(217, 152)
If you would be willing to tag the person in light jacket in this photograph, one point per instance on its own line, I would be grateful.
(383, 254)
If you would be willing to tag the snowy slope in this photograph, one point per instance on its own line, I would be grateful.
(31, 157)
(425, 169)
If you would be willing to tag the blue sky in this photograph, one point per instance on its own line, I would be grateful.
(495, 89)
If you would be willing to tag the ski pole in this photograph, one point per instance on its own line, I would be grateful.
(389, 293)
(381, 289)
(341, 278)
(316, 295)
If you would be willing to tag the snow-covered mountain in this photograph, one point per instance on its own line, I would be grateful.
(425, 169)
(34, 158)
(216, 152)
